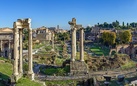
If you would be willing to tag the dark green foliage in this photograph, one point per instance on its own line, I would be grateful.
(57, 71)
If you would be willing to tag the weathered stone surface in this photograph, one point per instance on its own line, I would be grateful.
(17, 66)
(78, 68)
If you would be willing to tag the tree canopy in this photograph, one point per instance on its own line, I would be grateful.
(125, 36)
(109, 38)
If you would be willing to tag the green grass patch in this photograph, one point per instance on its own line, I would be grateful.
(5, 68)
(57, 71)
(59, 48)
(27, 82)
(99, 51)
(62, 83)
(37, 46)
(129, 65)
(59, 61)
(78, 56)
(95, 50)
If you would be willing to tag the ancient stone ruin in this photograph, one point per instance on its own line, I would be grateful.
(18, 27)
(77, 67)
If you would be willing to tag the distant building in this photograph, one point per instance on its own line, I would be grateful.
(60, 31)
(96, 32)
(6, 42)
(42, 34)
(52, 29)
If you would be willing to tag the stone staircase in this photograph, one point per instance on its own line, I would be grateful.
(78, 68)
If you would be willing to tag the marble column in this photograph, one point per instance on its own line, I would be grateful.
(9, 51)
(52, 41)
(81, 45)
(30, 62)
(73, 44)
(20, 52)
(16, 49)
(1, 47)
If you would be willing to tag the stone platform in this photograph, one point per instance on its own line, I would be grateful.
(78, 68)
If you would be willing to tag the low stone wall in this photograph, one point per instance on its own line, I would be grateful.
(59, 78)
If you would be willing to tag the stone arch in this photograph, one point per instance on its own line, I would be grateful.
(111, 50)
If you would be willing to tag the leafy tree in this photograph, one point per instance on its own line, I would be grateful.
(123, 24)
(127, 25)
(105, 25)
(88, 28)
(62, 36)
(125, 36)
(109, 38)
(25, 33)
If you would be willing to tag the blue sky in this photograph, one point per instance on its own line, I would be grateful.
(58, 12)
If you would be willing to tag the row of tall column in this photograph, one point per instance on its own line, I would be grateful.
(73, 45)
(18, 68)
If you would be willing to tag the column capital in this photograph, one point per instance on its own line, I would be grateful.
(82, 28)
(15, 29)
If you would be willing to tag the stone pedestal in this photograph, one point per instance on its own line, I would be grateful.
(78, 68)
(31, 76)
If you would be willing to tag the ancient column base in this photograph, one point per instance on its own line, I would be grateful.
(78, 68)
(31, 75)
(15, 78)
(72, 59)
(52, 49)
(82, 60)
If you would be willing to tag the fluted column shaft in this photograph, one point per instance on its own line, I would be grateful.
(75, 41)
(81, 45)
(16, 53)
(20, 51)
(53, 41)
(9, 51)
(73, 44)
(30, 71)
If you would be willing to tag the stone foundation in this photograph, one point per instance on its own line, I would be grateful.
(15, 78)
(78, 68)
(31, 76)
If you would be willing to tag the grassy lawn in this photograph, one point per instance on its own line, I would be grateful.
(62, 83)
(59, 61)
(37, 46)
(98, 51)
(27, 82)
(129, 65)
(5, 68)
(78, 56)
(57, 71)
(6, 72)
